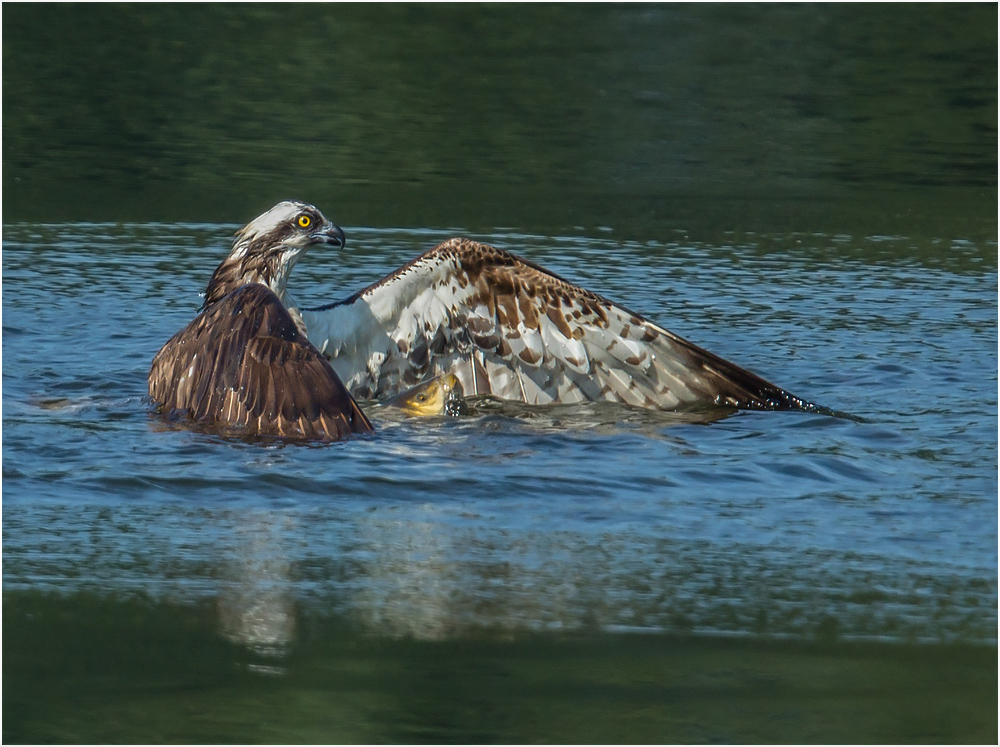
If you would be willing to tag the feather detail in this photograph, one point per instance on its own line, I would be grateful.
(243, 364)
(507, 327)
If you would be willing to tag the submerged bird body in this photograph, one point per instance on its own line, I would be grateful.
(463, 312)
(243, 364)
(509, 328)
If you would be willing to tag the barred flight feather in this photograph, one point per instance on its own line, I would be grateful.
(509, 328)
(243, 364)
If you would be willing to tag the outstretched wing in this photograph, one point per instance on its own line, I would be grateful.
(510, 328)
(243, 364)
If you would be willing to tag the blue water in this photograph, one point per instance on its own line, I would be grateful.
(778, 525)
(807, 190)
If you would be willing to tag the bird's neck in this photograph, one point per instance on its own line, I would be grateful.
(236, 271)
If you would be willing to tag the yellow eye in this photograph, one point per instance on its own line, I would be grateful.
(304, 221)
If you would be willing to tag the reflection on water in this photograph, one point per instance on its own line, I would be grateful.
(437, 622)
(411, 568)
(408, 589)
(432, 571)
(806, 190)
(255, 599)
(185, 684)
(639, 118)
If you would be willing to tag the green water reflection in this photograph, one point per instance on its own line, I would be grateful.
(92, 669)
(724, 124)
(880, 118)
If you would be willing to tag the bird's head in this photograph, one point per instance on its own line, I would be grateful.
(265, 249)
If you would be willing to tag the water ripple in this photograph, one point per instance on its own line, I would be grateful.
(775, 524)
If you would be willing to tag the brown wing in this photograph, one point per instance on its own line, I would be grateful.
(243, 364)
(510, 328)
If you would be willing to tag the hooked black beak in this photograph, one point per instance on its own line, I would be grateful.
(332, 234)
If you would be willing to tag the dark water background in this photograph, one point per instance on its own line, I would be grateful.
(809, 191)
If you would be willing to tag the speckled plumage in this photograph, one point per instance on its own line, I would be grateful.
(243, 365)
(509, 328)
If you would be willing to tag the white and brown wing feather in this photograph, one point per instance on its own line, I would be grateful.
(243, 365)
(509, 328)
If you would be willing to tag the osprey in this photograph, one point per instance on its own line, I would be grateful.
(509, 328)
(244, 364)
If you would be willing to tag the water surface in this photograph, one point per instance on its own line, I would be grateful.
(519, 521)
(808, 191)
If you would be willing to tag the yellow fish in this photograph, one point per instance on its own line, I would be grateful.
(442, 395)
